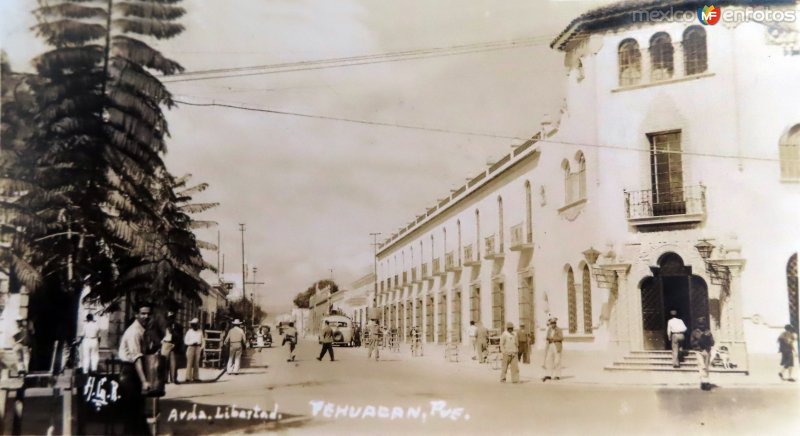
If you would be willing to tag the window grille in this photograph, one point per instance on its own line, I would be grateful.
(695, 55)
(630, 63)
(661, 57)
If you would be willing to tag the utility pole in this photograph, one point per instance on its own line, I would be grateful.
(375, 267)
(253, 296)
(244, 270)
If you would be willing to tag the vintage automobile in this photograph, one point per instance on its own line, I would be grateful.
(261, 337)
(342, 329)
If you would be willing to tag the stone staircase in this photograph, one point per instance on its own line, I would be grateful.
(658, 360)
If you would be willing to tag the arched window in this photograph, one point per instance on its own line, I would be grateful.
(630, 63)
(477, 234)
(661, 57)
(791, 283)
(528, 213)
(458, 241)
(581, 176)
(695, 55)
(500, 224)
(572, 301)
(790, 154)
(587, 300)
(568, 194)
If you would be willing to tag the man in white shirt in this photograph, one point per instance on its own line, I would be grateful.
(90, 345)
(472, 332)
(675, 332)
(194, 347)
(508, 348)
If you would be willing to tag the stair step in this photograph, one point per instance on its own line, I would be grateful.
(650, 368)
(675, 370)
(660, 359)
(658, 364)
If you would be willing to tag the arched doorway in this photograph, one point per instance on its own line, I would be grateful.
(671, 287)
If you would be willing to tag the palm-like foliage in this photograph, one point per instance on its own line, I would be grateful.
(97, 205)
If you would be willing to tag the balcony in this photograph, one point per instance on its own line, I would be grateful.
(519, 240)
(425, 274)
(414, 275)
(451, 262)
(493, 249)
(405, 278)
(396, 282)
(437, 267)
(471, 258)
(684, 205)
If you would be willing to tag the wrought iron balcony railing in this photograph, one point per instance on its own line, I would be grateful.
(451, 261)
(493, 250)
(664, 206)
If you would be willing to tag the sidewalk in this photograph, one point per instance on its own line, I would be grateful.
(587, 368)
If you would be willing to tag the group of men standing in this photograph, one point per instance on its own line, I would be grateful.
(515, 346)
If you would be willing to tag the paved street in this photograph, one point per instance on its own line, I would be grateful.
(399, 386)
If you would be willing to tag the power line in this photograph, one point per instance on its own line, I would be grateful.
(411, 52)
(467, 133)
(351, 61)
(349, 120)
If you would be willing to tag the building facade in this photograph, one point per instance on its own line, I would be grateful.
(671, 180)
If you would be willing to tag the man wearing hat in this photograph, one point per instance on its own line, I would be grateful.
(171, 345)
(702, 340)
(552, 351)
(675, 333)
(235, 339)
(22, 345)
(194, 348)
(509, 349)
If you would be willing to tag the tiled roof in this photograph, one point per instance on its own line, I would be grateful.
(620, 13)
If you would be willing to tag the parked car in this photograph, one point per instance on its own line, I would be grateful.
(342, 329)
(262, 337)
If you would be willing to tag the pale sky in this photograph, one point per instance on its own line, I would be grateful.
(311, 190)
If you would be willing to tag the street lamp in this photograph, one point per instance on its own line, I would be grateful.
(720, 274)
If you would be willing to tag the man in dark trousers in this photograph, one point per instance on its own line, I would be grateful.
(326, 339)
(702, 340)
(290, 337)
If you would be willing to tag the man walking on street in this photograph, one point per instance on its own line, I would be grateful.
(90, 345)
(327, 341)
(786, 346)
(552, 351)
(509, 350)
(482, 339)
(523, 344)
(702, 340)
(472, 332)
(290, 337)
(171, 345)
(235, 339)
(194, 349)
(374, 340)
(675, 333)
(22, 346)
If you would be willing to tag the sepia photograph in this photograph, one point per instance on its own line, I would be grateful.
(347, 217)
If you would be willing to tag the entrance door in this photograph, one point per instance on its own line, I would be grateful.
(429, 316)
(526, 306)
(672, 287)
(456, 328)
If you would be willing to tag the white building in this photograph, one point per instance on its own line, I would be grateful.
(675, 139)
